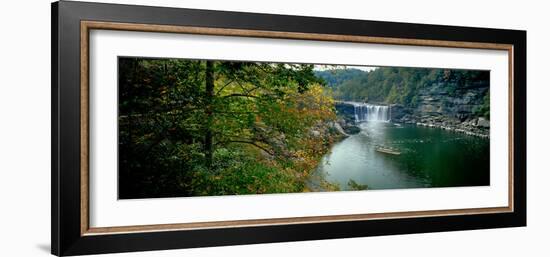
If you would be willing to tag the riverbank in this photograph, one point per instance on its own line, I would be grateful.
(350, 115)
(469, 125)
(428, 158)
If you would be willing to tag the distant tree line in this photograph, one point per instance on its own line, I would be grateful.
(399, 85)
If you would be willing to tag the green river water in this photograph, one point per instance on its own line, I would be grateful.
(429, 157)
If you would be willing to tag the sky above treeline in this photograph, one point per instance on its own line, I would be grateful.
(331, 67)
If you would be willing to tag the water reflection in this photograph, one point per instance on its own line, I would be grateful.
(429, 158)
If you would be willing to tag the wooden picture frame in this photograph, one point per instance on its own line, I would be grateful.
(71, 25)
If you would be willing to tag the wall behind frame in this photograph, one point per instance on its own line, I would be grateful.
(25, 127)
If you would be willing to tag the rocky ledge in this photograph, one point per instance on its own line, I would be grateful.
(470, 125)
(428, 115)
(479, 127)
(450, 110)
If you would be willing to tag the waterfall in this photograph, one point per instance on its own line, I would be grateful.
(371, 112)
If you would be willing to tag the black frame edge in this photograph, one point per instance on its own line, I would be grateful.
(520, 126)
(54, 131)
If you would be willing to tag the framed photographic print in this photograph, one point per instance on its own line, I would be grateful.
(177, 128)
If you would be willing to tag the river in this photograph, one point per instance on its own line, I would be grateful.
(429, 157)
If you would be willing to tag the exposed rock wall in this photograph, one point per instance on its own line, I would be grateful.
(346, 121)
(456, 110)
(436, 106)
(346, 111)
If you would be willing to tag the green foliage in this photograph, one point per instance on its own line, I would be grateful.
(241, 174)
(398, 85)
(356, 186)
(485, 107)
(335, 77)
(189, 127)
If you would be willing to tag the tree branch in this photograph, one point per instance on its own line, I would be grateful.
(239, 95)
(249, 143)
(226, 84)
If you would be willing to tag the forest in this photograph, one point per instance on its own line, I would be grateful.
(208, 127)
(201, 127)
(400, 85)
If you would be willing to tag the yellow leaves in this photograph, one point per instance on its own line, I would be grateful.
(251, 188)
(317, 103)
(163, 90)
(300, 154)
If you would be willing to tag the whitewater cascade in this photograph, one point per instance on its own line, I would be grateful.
(371, 112)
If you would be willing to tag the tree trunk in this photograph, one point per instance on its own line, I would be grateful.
(209, 99)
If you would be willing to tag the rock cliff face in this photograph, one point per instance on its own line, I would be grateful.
(435, 106)
(456, 110)
(346, 111)
(346, 121)
(457, 106)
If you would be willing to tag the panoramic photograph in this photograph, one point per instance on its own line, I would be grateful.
(190, 127)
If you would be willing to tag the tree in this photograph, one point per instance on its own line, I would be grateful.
(186, 123)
